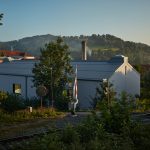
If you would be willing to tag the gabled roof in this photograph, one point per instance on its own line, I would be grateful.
(86, 70)
(98, 70)
(18, 68)
(95, 70)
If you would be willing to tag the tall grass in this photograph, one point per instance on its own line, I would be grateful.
(23, 115)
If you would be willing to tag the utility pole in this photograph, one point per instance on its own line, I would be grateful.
(52, 96)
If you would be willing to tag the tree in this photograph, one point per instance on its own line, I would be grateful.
(11, 102)
(1, 16)
(145, 80)
(53, 69)
(104, 94)
(118, 117)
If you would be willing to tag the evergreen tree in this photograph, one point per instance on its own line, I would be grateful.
(53, 68)
(104, 94)
(1, 16)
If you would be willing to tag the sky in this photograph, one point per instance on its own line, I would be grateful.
(126, 19)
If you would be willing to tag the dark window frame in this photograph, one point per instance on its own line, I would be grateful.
(16, 87)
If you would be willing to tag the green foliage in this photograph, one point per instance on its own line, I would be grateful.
(90, 128)
(145, 84)
(1, 16)
(69, 135)
(118, 115)
(62, 103)
(145, 80)
(111, 129)
(136, 137)
(104, 95)
(53, 68)
(100, 94)
(51, 142)
(142, 105)
(115, 113)
(91, 135)
(45, 113)
(143, 102)
(140, 136)
(111, 141)
(33, 102)
(12, 103)
(23, 115)
(3, 96)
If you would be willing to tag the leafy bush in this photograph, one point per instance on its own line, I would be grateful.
(45, 113)
(61, 103)
(3, 96)
(12, 103)
(33, 102)
(140, 135)
(143, 105)
(90, 128)
(117, 116)
(69, 135)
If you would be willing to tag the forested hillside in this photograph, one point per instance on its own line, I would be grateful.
(100, 47)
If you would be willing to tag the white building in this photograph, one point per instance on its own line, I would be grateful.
(16, 77)
(117, 71)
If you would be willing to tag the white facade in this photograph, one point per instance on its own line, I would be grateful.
(20, 73)
(118, 71)
(126, 79)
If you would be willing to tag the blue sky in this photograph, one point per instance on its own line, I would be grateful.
(127, 19)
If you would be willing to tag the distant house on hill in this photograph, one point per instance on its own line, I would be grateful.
(14, 55)
(17, 76)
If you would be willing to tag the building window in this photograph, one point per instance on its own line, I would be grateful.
(17, 88)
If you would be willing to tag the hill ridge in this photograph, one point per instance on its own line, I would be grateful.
(100, 47)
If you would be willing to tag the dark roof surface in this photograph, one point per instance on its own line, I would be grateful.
(95, 70)
(86, 70)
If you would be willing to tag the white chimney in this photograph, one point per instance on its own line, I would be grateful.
(125, 59)
(84, 53)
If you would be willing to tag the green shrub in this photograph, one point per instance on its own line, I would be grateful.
(23, 115)
(143, 105)
(90, 128)
(140, 135)
(33, 102)
(3, 96)
(12, 103)
(117, 116)
(61, 103)
(69, 135)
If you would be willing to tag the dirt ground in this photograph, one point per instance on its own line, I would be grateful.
(39, 125)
